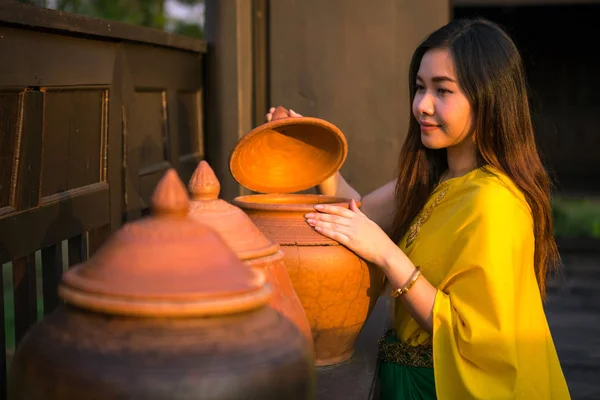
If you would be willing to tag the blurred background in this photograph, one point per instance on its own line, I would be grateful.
(185, 17)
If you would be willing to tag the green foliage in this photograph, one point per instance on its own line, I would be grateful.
(187, 29)
(149, 13)
(132, 12)
(576, 217)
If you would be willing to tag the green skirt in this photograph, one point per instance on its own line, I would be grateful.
(398, 381)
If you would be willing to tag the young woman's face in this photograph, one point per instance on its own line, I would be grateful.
(440, 106)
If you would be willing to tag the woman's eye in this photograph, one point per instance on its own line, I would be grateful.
(443, 91)
(419, 88)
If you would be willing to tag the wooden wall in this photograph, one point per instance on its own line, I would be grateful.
(347, 61)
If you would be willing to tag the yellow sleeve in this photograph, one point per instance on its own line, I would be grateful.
(474, 315)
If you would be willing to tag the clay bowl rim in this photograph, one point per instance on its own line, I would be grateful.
(274, 124)
(245, 202)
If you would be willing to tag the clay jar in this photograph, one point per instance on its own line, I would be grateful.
(248, 242)
(163, 310)
(337, 289)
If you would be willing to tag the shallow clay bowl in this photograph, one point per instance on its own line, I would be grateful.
(288, 155)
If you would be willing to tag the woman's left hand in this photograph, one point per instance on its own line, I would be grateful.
(352, 228)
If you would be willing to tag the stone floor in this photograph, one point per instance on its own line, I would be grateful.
(573, 312)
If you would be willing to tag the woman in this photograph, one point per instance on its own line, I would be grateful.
(464, 235)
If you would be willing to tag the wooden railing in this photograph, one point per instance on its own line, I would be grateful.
(91, 115)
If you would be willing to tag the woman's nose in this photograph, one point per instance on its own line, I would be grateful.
(424, 104)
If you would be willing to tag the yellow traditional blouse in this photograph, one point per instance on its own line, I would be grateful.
(491, 340)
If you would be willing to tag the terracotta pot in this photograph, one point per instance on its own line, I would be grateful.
(337, 289)
(163, 310)
(247, 241)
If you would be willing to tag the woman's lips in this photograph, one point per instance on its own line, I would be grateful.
(428, 127)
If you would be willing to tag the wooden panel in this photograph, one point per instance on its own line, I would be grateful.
(89, 62)
(149, 133)
(170, 68)
(51, 276)
(260, 47)
(74, 134)
(189, 105)
(87, 139)
(9, 112)
(161, 120)
(190, 132)
(30, 152)
(24, 294)
(350, 67)
(150, 127)
(79, 211)
(55, 155)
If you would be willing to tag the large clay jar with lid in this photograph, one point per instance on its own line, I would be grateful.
(247, 241)
(164, 310)
(337, 289)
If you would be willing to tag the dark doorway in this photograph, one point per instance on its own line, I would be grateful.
(558, 45)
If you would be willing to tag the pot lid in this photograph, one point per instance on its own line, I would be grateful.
(288, 154)
(165, 265)
(234, 226)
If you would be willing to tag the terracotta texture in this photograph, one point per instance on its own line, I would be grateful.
(337, 289)
(164, 309)
(133, 273)
(288, 154)
(247, 241)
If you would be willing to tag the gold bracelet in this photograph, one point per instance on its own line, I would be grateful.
(411, 282)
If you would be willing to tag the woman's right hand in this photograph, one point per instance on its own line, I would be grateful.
(269, 115)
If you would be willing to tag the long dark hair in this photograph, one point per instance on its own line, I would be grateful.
(491, 74)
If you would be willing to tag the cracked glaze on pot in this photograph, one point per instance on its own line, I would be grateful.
(247, 241)
(337, 289)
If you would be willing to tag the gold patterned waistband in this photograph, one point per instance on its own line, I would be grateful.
(404, 354)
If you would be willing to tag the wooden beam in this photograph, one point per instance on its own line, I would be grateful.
(229, 68)
(36, 17)
(76, 212)
(260, 46)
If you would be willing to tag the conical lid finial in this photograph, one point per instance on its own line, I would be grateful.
(234, 226)
(170, 196)
(204, 184)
